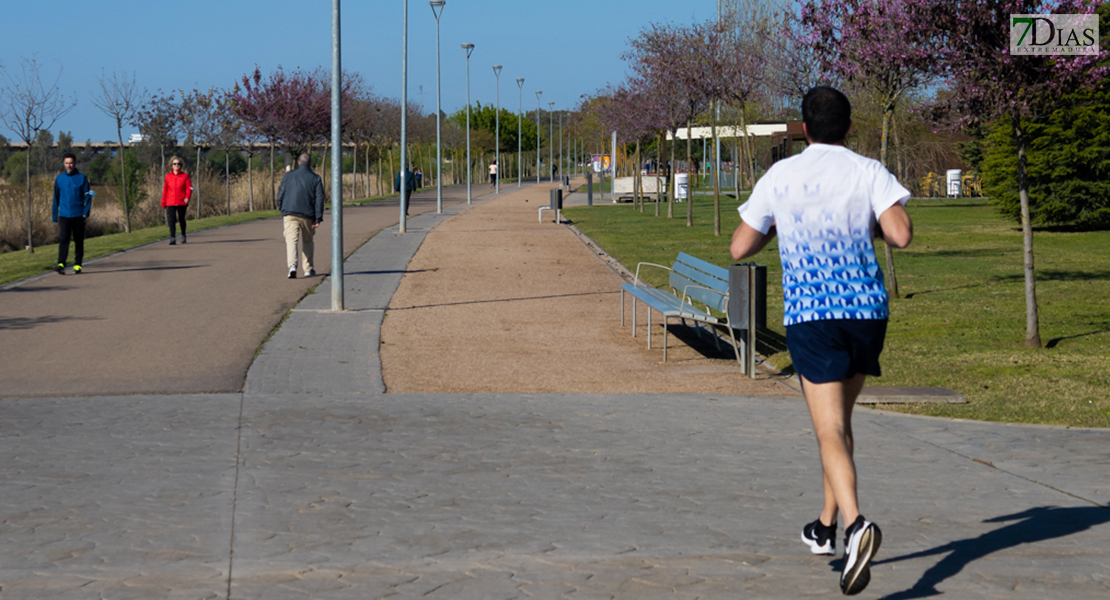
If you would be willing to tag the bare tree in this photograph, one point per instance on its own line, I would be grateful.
(27, 106)
(119, 98)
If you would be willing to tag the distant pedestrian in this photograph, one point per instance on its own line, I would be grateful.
(301, 200)
(410, 185)
(176, 191)
(72, 204)
(493, 174)
(826, 205)
(419, 178)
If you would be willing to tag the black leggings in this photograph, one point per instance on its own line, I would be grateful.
(67, 227)
(174, 215)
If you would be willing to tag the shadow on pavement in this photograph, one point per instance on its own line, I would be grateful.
(229, 242)
(166, 268)
(31, 323)
(1031, 526)
(551, 297)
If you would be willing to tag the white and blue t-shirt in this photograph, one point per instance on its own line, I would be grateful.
(824, 203)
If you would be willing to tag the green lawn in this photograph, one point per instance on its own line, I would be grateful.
(962, 320)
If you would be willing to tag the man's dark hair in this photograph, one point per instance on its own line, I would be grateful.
(69, 155)
(827, 114)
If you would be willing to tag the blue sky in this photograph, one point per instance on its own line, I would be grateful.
(565, 48)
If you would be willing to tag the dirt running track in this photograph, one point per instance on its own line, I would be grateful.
(168, 319)
(496, 302)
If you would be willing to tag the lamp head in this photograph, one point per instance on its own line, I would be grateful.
(468, 48)
(497, 70)
(437, 7)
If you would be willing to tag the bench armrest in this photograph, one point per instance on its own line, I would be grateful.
(685, 296)
(637, 280)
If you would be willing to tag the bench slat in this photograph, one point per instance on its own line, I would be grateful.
(704, 266)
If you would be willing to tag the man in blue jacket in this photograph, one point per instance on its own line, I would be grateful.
(410, 185)
(72, 203)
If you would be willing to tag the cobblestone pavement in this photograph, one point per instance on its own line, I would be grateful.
(325, 487)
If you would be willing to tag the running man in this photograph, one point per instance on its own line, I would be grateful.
(826, 205)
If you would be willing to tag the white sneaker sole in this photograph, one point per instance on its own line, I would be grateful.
(857, 561)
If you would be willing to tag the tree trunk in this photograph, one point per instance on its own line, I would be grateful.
(227, 178)
(689, 174)
(197, 186)
(1032, 324)
(250, 181)
(30, 242)
(672, 181)
(638, 184)
(354, 173)
(716, 180)
(273, 193)
(123, 183)
(658, 167)
(892, 275)
(392, 171)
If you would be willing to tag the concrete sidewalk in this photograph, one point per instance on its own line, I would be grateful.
(313, 483)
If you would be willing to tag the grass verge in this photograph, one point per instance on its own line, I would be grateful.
(961, 321)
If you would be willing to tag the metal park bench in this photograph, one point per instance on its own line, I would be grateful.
(692, 280)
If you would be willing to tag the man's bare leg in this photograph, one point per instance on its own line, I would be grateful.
(830, 407)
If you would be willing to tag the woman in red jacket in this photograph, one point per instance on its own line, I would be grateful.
(175, 198)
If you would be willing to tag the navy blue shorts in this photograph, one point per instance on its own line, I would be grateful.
(835, 349)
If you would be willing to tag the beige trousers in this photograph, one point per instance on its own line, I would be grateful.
(298, 228)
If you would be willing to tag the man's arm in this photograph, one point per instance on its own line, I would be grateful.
(281, 194)
(747, 241)
(57, 199)
(895, 225)
(86, 197)
(320, 198)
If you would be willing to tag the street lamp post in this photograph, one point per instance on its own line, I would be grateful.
(538, 109)
(402, 225)
(551, 137)
(519, 116)
(562, 159)
(468, 48)
(336, 162)
(437, 10)
(497, 129)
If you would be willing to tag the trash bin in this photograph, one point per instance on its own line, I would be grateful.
(747, 284)
(682, 185)
(557, 199)
(589, 188)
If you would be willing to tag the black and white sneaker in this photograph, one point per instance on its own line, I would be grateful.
(820, 538)
(293, 272)
(861, 542)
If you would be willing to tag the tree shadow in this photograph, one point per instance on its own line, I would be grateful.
(1052, 275)
(1031, 526)
(911, 295)
(1056, 341)
(23, 323)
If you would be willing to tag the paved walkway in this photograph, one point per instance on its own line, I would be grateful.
(312, 483)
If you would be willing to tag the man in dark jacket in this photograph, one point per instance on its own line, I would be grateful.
(72, 203)
(301, 200)
(410, 185)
